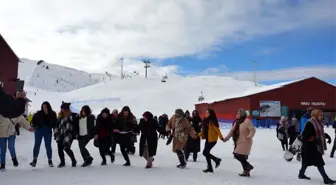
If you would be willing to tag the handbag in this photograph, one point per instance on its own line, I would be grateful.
(280, 136)
(17, 127)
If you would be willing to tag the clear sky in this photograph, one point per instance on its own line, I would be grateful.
(288, 39)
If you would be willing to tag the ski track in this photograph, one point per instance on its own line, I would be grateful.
(266, 156)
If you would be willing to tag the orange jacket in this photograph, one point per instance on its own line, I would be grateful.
(213, 133)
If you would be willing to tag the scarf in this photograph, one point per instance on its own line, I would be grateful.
(320, 137)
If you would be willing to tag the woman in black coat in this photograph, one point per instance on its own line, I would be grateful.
(148, 127)
(194, 145)
(125, 125)
(314, 146)
(85, 133)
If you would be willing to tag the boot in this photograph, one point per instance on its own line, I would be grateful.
(245, 174)
(61, 165)
(329, 181)
(183, 163)
(50, 163)
(33, 163)
(208, 170)
(2, 167)
(127, 163)
(103, 162)
(74, 163)
(218, 162)
(15, 162)
(304, 177)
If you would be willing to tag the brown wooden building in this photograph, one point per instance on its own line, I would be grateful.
(9, 64)
(284, 99)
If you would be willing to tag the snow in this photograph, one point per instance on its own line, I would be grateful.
(266, 156)
(142, 94)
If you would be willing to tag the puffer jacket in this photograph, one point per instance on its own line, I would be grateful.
(7, 126)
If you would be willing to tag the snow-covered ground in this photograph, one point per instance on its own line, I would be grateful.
(266, 156)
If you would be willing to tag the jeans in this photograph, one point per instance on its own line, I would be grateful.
(206, 152)
(82, 142)
(46, 135)
(11, 145)
(3, 150)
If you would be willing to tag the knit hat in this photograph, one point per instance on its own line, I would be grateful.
(65, 106)
(114, 111)
(105, 110)
(179, 112)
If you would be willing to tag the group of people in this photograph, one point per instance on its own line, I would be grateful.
(108, 129)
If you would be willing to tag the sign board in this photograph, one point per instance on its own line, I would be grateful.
(270, 109)
(319, 103)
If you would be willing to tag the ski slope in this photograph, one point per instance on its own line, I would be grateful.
(266, 156)
(143, 94)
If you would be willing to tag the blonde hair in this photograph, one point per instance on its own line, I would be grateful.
(316, 113)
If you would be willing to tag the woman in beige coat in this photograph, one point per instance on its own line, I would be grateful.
(242, 133)
(180, 129)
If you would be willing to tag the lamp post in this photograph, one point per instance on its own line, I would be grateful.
(255, 72)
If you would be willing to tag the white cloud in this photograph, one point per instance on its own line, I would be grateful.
(89, 35)
(322, 72)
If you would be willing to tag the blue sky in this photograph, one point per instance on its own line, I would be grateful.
(307, 47)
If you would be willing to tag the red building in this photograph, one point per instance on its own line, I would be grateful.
(274, 101)
(9, 64)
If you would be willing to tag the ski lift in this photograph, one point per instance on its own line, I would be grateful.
(201, 97)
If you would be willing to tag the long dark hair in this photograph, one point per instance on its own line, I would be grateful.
(236, 133)
(46, 103)
(212, 117)
(87, 110)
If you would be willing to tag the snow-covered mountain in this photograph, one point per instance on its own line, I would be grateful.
(56, 78)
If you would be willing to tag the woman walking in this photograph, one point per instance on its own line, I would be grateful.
(242, 133)
(103, 131)
(210, 132)
(65, 131)
(148, 127)
(124, 127)
(314, 146)
(282, 132)
(86, 129)
(43, 122)
(194, 145)
(180, 129)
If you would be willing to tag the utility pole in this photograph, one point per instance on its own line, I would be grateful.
(122, 67)
(147, 65)
(255, 72)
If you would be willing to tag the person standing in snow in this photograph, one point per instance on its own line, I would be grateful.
(103, 132)
(242, 133)
(210, 132)
(114, 135)
(194, 145)
(293, 131)
(314, 146)
(282, 132)
(124, 127)
(43, 122)
(163, 121)
(86, 133)
(8, 135)
(65, 131)
(180, 128)
(148, 128)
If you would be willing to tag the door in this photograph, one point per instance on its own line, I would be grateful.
(284, 111)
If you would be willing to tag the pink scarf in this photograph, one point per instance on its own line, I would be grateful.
(320, 137)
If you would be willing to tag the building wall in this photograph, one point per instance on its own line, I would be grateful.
(300, 95)
(226, 110)
(9, 64)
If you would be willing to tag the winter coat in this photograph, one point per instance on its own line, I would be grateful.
(66, 130)
(40, 120)
(213, 132)
(7, 126)
(194, 145)
(310, 155)
(126, 126)
(148, 130)
(104, 127)
(181, 129)
(11, 107)
(245, 139)
(296, 124)
(90, 125)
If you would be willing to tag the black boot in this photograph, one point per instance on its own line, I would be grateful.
(61, 165)
(2, 167)
(103, 162)
(183, 163)
(217, 162)
(112, 157)
(208, 170)
(195, 156)
(33, 163)
(15, 162)
(50, 163)
(74, 163)
(87, 162)
(127, 163)
(329, 181)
